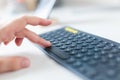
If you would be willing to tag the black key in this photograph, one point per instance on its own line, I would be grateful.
(90, 47)
(60, 38)
(114, 50)
(94, 42)
(112, 64)
(96, 56)
(79, 42)
(103, 53)
(92, 73)
(107, 48)
(77, 47)
(64, 40)
(82, 70)
(112, 45)
(71, 60)
(73, 52)
(68, 49)
(73, 45)
(85, 59)
(83, 34)
(104, 59)
(97, 50)
(79, 55)
(118, 59)
(111, 56)
(89, 40)
(90, 54)
(100, 45)
(84, 50)
(63, 47)
(74, 40)
(68, 42)
(83, 39)
(77, 64)
(57, 44)
(92, 62)
(58, 52)
(111, 73)
(84, 45)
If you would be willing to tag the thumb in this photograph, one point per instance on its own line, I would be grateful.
(8, 64)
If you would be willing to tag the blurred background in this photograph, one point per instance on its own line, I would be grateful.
(65, 11)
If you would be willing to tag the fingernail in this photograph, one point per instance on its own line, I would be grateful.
(25, 63)
(48, 43)
(6, 43)
(49, 21)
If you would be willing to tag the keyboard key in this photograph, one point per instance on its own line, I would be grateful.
(90, 47)
(90, 54)
(77, 64)
(85, 59)
(79, 56)
(92, 73)
(94, 42)
(71, 60)
(84, 50)
(104, 60)
(107, 48)
(111, 73)
(110, 56)
(114, 50)
(92, 63)
(96, 57)
(96, 50)
(112, 64)
(58, 53)
(73, 52)
(103, 53)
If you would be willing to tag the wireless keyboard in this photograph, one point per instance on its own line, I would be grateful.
(89, 56)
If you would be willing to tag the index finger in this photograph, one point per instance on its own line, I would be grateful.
(33, 20)
(22, 22)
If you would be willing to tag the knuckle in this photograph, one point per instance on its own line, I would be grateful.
(24, 17)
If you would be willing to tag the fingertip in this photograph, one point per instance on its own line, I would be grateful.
(18, 41)
(45, 22)
(20, 63)
(45, 44)
(6, 43)
(49, 21)
(25, 63)
(48, 43)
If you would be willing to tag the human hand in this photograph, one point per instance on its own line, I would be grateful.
(17, 30)
(9, 64)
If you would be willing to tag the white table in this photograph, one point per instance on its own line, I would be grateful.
(105, 24)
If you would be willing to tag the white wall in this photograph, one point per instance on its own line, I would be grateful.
(96, 2)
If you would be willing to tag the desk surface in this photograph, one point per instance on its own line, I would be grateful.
(44, 68)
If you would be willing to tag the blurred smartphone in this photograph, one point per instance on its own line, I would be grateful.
(44, 8)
